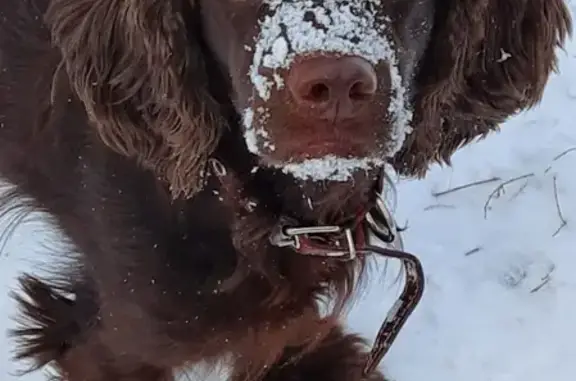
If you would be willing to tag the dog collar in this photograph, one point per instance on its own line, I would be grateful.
(340, 242)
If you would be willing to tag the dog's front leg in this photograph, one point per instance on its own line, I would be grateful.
(338, 357)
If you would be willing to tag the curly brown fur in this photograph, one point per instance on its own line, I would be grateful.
(113, 114)
(147, 95)
(487, 61)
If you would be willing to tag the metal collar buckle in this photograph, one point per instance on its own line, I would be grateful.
(336, 241)
(326, 241)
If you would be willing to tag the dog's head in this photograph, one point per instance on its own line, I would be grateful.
(323, 92)
(323, 87)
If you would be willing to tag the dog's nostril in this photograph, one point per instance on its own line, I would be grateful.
(318, 92)
(362, 90)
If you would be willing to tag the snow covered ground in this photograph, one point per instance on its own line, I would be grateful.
(500, 301)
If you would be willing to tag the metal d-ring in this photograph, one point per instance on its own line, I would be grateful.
(382, 224)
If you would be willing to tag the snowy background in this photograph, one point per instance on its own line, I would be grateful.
(496, 236)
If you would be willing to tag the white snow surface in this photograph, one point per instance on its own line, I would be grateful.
(500, 298)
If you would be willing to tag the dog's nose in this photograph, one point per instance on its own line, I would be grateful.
(334, 87)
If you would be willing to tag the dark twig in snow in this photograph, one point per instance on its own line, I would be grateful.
(473, 251)
(439, 206)
(560, 155)
(517, 193)
(461, 187)
(545, 280)
(563, 221)
(500, 190)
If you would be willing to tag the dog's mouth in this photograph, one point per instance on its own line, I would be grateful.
(324, 161)
(331, 168)
(328, 190)
(328, 148)
(314, 151)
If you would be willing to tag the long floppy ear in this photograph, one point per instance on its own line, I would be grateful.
(139, 70)
(487, 60)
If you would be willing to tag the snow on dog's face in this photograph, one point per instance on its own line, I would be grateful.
(323, 86)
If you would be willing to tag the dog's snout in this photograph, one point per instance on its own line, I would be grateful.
(335, 87)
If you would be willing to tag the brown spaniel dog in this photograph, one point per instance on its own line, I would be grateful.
(166, 139)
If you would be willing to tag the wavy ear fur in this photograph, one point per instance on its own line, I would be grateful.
(137, 66)
(487, 60)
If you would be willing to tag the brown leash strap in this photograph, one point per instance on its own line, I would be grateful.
(402, 308)
(306, 241)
